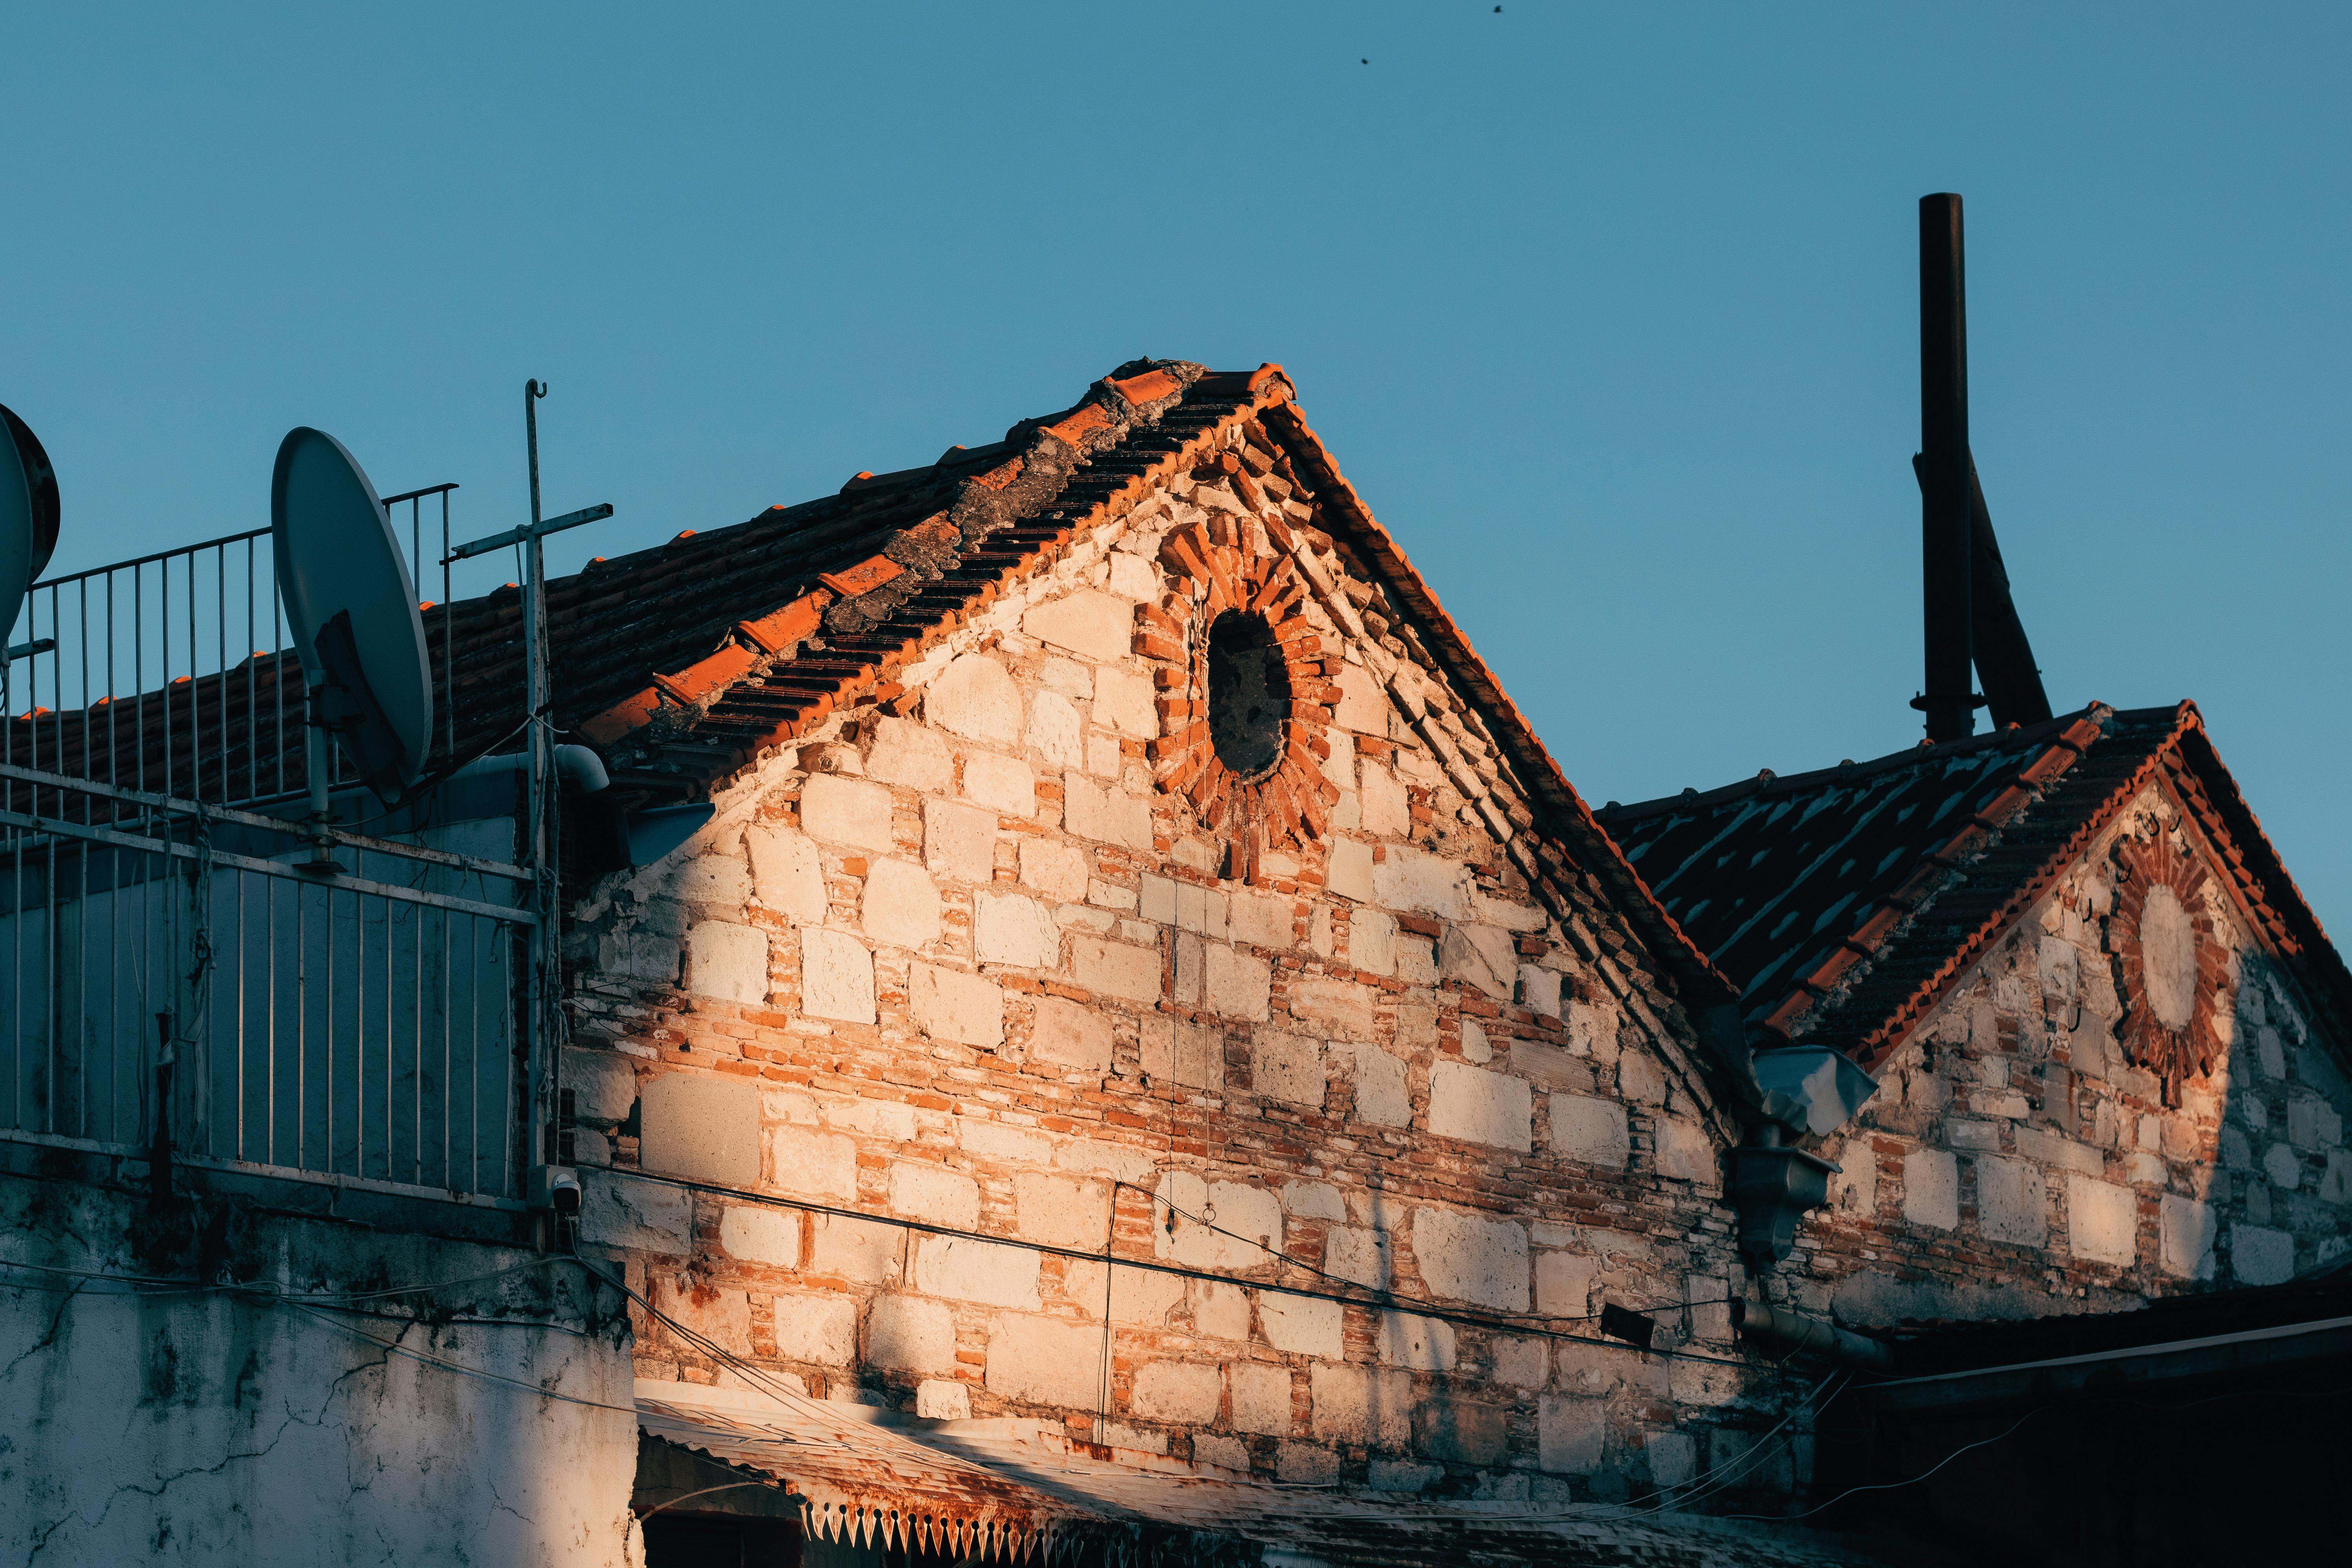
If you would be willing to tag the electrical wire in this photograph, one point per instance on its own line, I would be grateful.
(1891, 1486)
(1379, 1301)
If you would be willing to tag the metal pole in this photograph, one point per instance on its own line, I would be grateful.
(539, 1104)
(1946, 530)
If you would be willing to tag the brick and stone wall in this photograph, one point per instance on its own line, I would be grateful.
(2017, 1159)
(965, 957)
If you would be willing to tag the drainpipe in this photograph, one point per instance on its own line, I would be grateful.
(1777, 1330)
(1806, 1090)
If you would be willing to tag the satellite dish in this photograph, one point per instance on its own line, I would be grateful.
(28, 515)
(352, 608)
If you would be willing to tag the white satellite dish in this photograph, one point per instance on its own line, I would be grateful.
(28, 514)
(352, 608)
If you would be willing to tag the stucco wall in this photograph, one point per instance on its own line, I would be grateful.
(219, 1427)
(2016, 1161)
(964, 960)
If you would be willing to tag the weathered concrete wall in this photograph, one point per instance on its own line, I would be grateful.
(2016, 1161)
(967, 960)
(223, 1427)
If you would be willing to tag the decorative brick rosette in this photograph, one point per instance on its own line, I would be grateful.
(1231, 565)
(2171, 969)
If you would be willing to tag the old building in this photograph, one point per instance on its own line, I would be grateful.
(1089, 1015)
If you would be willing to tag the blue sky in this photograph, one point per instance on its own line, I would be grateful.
(1609, 313)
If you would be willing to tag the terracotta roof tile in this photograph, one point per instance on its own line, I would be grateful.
(1847, 902)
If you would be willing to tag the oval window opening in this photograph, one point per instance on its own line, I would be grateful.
(1249, 693)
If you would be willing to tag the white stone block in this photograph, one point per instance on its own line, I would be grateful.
(949, 1005)
(975, 698)
(1093, 625)
(1220, 1311)
(1570, 1434)
(1387, 810)
(934, 1195)
(1361, 1406)
(1468, 1258)
(812, 1164)
(727, 960)
(1479, 1106)
(710, 880)
(604, 1085)
(1060, 1212)
(702, 1126)
(1688, 1153)
(1342, 1007)
(1183, 1053)
(1349, 874)
(820, 1328)
(1674, 1458)
(1123, 703)
(1103, 758)
(1045, 1361)
(959, 841)
(1261, 1398)
(1363, 707)
(836, 810)
(642, 1216)
(836, 976)
(859, 1250)
(1540, 990)
(2260, 1256)
(1262, 919)
(1303, 1326)
(1380, 1094)
(1007, 928)
(2186, 1230)
(1313, 1200)
(906, 1333)
(963, 1270)
(1056, 735)
(1480, 955)
(1133, 577)
(1071, 1036)
(2313, 1123)
(1418, 883)
(1372, 940)
(1564, 1284)
(2283, 1166)
(1590, 1130)
(936, 1399)
(900, 906)
(2102, 1221)
(1137, 1295)
(1237, 984)
(1362, 1256)
(1640, 1079)
(1105, 816)
(1247, 1221)
(1114, 969)
(758, 1234)
(1188, 1394)
(2011, 1204)
(1000, 784)
(1056, 870)
(1415, 1343)
(908, 753)
(1288, 1067)
(1521, 1363)
(724, 1316)
(1931, 1189)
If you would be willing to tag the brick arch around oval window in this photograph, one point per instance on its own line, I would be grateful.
(1229, 566)
(2152, 870)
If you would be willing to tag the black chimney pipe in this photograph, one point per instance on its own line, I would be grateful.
(1944, 472)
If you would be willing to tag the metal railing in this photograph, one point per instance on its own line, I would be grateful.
(178, 967)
